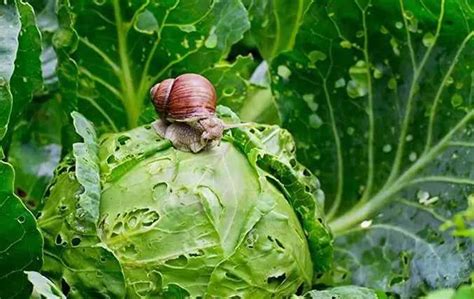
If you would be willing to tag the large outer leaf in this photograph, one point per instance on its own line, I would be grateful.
(123, 47)
(275, 24)
(20, 67)
(388, 88)
(20, 241)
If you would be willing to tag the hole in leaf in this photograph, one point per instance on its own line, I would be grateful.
(123, 139)
(75, 241)
(21, 219)
(20, 192)
(180, 261)
(306, 172)
(276, 280)
(293, 162)
(59, 239)
(111, 159)
(279, 244)
(300, 289)
(196, 253)
(233, 277)
(65, 287)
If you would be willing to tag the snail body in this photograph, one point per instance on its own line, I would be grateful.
(186, 106)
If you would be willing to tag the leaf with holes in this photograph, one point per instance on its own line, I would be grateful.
(198, 219)
(111, 52)
(379, 97)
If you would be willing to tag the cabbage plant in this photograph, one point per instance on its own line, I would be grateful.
(129, 214)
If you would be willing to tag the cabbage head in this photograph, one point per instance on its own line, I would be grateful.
(127, 215)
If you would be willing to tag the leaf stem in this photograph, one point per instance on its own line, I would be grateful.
(131, 103)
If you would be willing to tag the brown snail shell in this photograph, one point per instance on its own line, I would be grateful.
(188, 97)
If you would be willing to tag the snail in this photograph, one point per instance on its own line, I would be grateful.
(186, 106)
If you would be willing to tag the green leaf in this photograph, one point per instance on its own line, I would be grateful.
(43, 287)
(275, 24)
(343, 292)
(271, 149)
(20, 67)
(26, 78)
(21, 243)
(117, 52)
(231, 81)
(378, 97)
(74, 255)
(87, 174)
(35, 150)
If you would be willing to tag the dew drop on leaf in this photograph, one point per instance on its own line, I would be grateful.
(146, 23)
(413, 156)
(350, 131)
(187, 28)
(377, 73)
(315, 121)
(358, 86)
(392, 83)
(283, 72)
(315, 56)
(211, 41)
(387, 148)
(456, 100)
(340, 83)
(399, 25)
(422, 195)
(428, 39)
(346, 44)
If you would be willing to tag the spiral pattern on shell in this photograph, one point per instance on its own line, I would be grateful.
(189, 96)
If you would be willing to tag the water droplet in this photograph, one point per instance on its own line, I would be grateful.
(395, 47)
(315, 121)
(283, 71)
(409, 137)
(358, 86)
(428, 39)
(413, 156)
(387, 148)
(146, 23)
(185, 43)
(309, 99)
(350, 131)
(346, 44)
(383, 29)
(392, 83)
(359, 33)
(449, 81)
(399, 25)
(366, 223)
(377, 73)
(211, 41)
(340, 83)
(315, 56)
(456, 100)
(187, 28)
(408, 14)
(422, 196)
